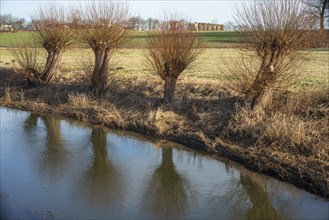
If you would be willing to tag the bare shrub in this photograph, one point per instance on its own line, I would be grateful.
(274, 32)
(52, 34)
(103, 30)
(29, 57)
(170, 51)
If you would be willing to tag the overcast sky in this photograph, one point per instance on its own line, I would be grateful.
(220, 11)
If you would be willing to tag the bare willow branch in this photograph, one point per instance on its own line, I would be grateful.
(30, 59)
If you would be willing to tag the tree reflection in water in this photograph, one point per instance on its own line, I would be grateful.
(247, 196)
(31, 122)
(54, 155)
(102, 182)
(262, 207)
(166, 196)
(54, 142)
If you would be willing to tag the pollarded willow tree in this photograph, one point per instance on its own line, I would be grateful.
(51, 34)
(170, 51)
(275, 31)
(54, 36)
(103, 29)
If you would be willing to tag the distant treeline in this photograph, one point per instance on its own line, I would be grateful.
(138, 23)
(9, 23)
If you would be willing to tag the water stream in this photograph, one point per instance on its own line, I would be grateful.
(61, 169)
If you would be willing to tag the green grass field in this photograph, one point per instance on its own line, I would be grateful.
(210, 66)
(9, 39)
(211, 39)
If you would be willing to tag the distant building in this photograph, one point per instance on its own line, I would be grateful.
(6, 28)
(208, 27)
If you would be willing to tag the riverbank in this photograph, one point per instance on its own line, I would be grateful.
(289, 143)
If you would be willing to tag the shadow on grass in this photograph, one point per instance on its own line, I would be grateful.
(202, 105)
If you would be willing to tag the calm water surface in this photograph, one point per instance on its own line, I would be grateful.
(59, 169)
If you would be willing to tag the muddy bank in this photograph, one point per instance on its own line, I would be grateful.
(288, 144)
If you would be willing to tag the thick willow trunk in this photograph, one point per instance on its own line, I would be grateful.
(322, 22)
(260, 100)
(169, 90)
(100, 72)
(53, 60)
(260, 94)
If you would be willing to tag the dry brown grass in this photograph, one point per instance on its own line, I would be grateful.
(166, 122)
(286, 132)
(11, 95)
(298, 125)
(77, 99)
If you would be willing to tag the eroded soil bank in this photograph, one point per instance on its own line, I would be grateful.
(289, 142)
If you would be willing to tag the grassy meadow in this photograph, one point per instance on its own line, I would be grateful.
(9, 39)
(211, 38)
(210, 66)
